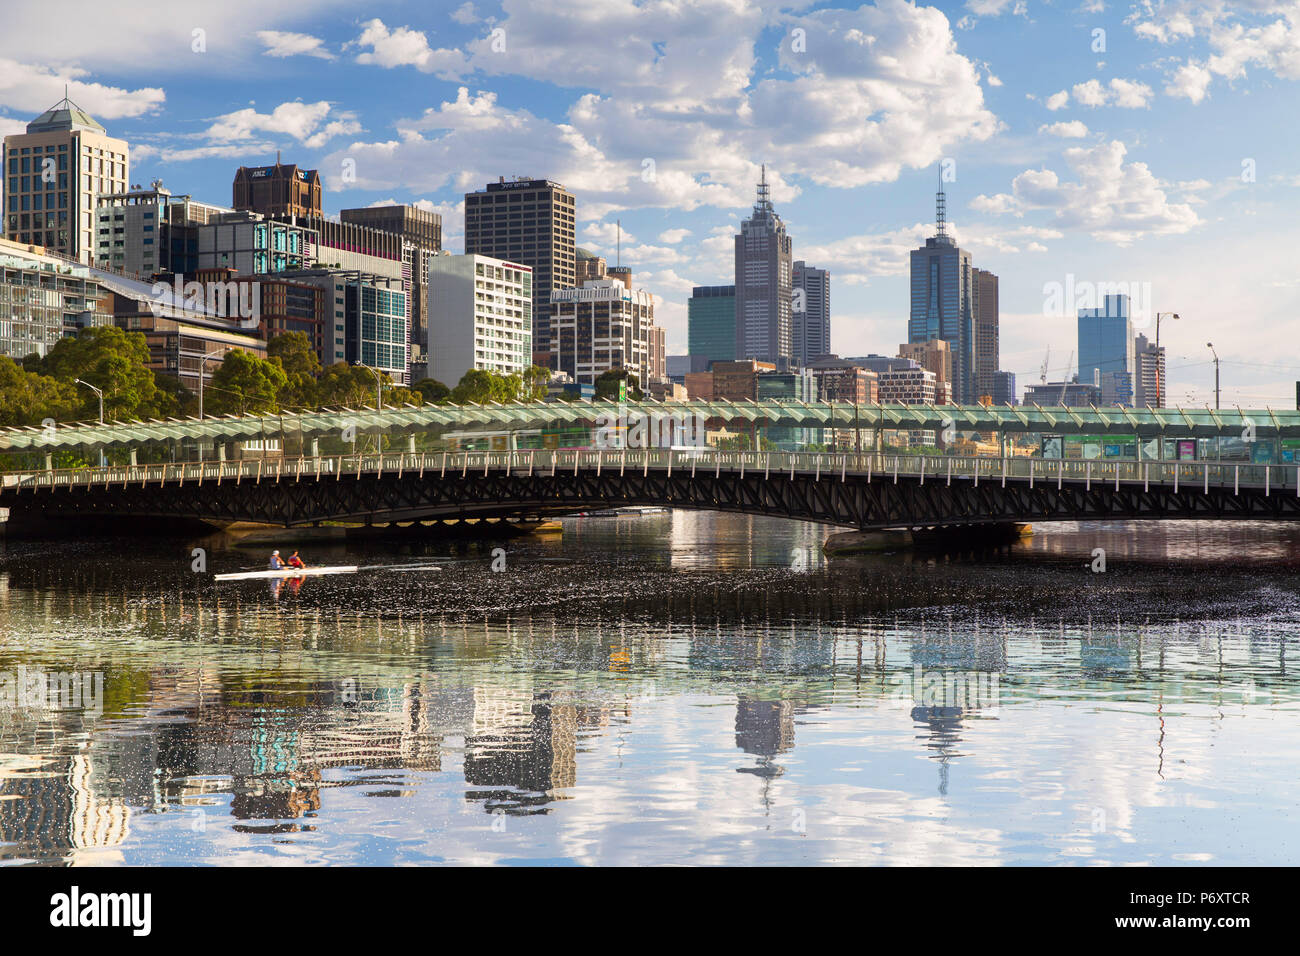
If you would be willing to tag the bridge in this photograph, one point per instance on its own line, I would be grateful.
(306, 469)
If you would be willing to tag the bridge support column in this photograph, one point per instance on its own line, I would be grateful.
(221, 451)
(410, 443)
(134, 462)
(315, 447)
(49, 461)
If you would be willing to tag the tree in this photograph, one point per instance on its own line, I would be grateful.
(28, 398)
(607, 384)
(245, 383)
(351, 386)
(432, 390)
(294, 352)
(113, 360)
(481, 386)
(536, 380)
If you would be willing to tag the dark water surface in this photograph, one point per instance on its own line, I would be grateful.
(683, 687)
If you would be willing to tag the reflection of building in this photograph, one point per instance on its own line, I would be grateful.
(521, 741)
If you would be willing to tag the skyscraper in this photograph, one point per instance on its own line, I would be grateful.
(1149, 381)
(764, 267)
(54, 173)
(711, 323)
(811, 316)
(1106, 341)
(529, 221)
(985, 309)
(279, 190)
(943, 304)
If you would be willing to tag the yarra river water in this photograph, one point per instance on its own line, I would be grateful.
(675, 688)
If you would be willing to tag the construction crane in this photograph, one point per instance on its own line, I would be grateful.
(1066, 383)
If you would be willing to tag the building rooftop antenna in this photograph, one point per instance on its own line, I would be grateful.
(941, 208)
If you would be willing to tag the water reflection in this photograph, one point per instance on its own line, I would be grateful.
(637, 703)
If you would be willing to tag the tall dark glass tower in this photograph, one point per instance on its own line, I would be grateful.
(943, 302)
(764, 277)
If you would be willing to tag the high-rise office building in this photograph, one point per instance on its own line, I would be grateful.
(605, 325)
(943, 304)
(1149, 379)
(529, 221)
(279, 190)
(366, 322)
(421, 236)
(811, 313)
(764, 277)
(1004, 388)
(933, 355)
(711, 322)
(141, 232)
(42, 299)
(54, 174)
(984, 285)
(1105, 340)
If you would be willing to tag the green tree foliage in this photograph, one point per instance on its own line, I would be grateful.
(115, 361)
(432, 390)
(480, 387)
(350, 386)
(244, 384)
(536, 380)
(294, 352)
(607, 384)
(27, 398)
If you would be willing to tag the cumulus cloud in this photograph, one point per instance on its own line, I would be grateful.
(1126, 94)
(1110, 199)
(305, 122)
(1058, 100)
(1074, 129)
(402, 46)
(33, 89)
(282, 44)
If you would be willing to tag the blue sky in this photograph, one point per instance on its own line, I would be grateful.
(1160, 153)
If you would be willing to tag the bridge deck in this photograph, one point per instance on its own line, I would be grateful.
(1188, 475)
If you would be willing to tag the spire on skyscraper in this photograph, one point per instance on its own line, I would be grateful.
(764, 201)
(941, 209)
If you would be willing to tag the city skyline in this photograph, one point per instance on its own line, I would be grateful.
(1091, 159)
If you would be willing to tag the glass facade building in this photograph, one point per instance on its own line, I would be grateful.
(711, 322)
(1106, 344)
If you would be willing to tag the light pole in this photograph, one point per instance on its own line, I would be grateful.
(1210, 346)
(99, 392)
(203, 364)
(1160, 371)
(379, 399)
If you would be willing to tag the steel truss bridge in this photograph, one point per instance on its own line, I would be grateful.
(867, 491)
(201, 469)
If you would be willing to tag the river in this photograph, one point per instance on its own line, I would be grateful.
(676, 688)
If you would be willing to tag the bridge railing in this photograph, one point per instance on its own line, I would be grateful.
(1188, 475)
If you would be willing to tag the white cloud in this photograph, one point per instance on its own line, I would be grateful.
(1191, 80)
(1126, 94)
(281, 44)
(406, 47)
(26, 88)
(1058, 100)
(1111, 200)
(465, 14)
(304, 122)
(673, 236)
(1074, 129)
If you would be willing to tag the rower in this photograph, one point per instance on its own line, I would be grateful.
(295, 561)
(276, 563)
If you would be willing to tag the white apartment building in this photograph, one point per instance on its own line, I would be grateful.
(605, 325)
(480, 316)
(907, 386)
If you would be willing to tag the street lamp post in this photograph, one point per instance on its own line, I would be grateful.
(203, 364)
(379, 398)
(1160, 372)
(100, 393)
(1210, 346)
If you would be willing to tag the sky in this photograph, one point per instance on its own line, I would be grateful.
(1084, 146)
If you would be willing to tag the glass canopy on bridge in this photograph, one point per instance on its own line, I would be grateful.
(1006, 419)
